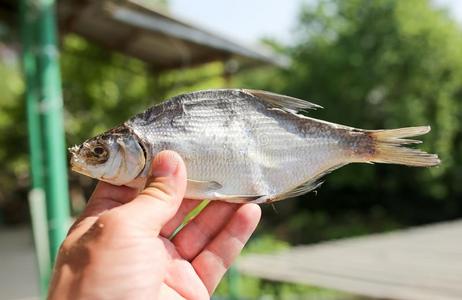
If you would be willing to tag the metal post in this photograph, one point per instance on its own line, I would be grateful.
(37, 205)
(51, 108)
(28, 26)
(38, 212)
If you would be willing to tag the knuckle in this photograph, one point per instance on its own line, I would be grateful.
(66, 246)
(223, 260)
(111, 218)
(160, 190)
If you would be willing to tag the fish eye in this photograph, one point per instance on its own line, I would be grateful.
(98, 150)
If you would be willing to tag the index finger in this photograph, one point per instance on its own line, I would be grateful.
(105, 197)
(212, 263)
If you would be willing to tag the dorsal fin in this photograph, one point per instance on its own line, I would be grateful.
(286, 103)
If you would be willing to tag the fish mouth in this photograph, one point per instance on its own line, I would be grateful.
(75, 166)
(74, 150)
(80, 169)
(75, 162)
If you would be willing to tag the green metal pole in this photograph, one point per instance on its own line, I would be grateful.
(38, 211)
(28, 26)
(51, 108)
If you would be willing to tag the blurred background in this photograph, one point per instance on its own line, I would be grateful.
(370, 64)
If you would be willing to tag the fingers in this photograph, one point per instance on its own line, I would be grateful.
(160, 200)
(212, 263)
(182, 277)
(107, 191)
(202, 229)
(107, 196)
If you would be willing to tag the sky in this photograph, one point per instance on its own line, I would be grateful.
(250, 20)
(242, 20)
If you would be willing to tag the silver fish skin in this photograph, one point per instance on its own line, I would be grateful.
(243, 146)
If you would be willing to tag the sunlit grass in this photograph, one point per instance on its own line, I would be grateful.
(191, 215)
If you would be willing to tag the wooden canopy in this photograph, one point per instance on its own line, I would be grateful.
(147, 33)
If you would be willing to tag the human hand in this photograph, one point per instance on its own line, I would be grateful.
(119, 247)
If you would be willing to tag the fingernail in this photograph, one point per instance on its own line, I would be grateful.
(165, 164)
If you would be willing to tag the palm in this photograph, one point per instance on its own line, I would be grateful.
(197, 257)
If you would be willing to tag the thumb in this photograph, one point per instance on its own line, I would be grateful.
(161, 198)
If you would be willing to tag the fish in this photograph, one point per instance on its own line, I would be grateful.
(242, 145)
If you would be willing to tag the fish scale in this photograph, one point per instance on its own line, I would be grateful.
(258, 171)
(242, 145)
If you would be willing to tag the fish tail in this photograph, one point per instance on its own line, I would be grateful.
(388, 146)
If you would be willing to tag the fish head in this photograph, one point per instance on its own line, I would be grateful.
(117, 158)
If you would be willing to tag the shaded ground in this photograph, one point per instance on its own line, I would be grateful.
(18, 270)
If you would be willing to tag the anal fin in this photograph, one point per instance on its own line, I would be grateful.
(298, 191)
(301, 189)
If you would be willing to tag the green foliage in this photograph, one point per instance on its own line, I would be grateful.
(102, 90)
(13, 138)
(375, 64)
(383, 63)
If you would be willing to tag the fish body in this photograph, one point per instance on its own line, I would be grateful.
(242, 145)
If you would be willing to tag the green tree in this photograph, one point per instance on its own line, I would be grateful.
(377, 64)
(103, 89)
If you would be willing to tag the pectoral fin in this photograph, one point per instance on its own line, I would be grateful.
(201, 190)
(237, 198)
(197, 189)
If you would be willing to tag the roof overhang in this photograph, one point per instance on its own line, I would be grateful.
(153, 36)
